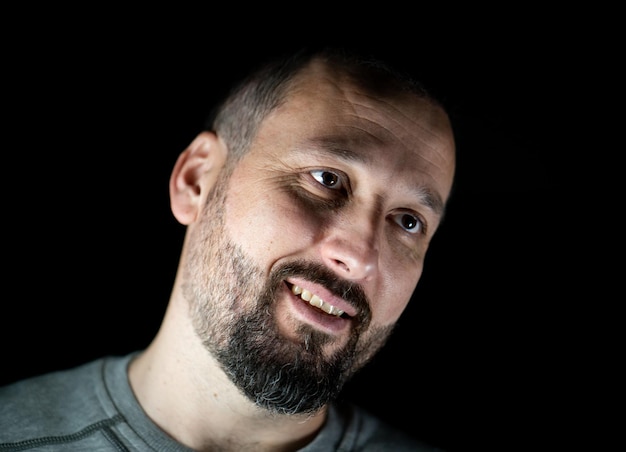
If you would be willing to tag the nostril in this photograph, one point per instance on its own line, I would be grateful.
(342, 265)
(354, 258)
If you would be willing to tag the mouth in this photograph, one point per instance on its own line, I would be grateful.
(317, 302)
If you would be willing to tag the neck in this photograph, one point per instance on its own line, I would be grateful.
(185, 392)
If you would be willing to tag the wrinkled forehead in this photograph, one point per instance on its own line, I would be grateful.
(336, 92)
(400, 125)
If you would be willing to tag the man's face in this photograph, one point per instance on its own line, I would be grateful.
(307, 254)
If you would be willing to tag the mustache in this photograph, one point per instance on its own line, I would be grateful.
(352, 292)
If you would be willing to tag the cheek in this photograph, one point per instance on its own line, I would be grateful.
(267, 225)
(401, 267)
(399, 282)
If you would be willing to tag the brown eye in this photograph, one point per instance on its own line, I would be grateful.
(327, 178)
(408, 222)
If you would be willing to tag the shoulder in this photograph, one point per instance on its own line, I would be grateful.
(363, 431)
(56, 403)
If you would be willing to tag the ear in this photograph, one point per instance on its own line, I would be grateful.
(194, 174)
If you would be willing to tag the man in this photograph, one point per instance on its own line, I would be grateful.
(309, 204)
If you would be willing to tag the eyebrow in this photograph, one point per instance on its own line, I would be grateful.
(340, 147)
(430, 199)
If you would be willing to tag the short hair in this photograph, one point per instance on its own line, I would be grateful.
(237, 117)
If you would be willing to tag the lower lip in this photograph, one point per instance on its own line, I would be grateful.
(304, 312)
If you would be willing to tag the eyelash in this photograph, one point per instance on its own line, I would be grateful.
(320, 176)
(321, 179)
(398, 217)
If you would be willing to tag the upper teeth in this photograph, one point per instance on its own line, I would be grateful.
(316, 301)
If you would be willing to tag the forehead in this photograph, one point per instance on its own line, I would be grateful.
(326, 109)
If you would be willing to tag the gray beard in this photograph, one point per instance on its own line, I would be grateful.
(232, 308)
(282, 376)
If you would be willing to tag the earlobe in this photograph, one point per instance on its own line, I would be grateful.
(193, 175)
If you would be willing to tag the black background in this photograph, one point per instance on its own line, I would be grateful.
(95, 116)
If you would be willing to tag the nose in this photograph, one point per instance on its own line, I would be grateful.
(352, 252)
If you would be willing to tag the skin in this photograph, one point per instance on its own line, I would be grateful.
(275, 221)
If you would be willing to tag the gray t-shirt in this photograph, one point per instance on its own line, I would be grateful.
(92, 408)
